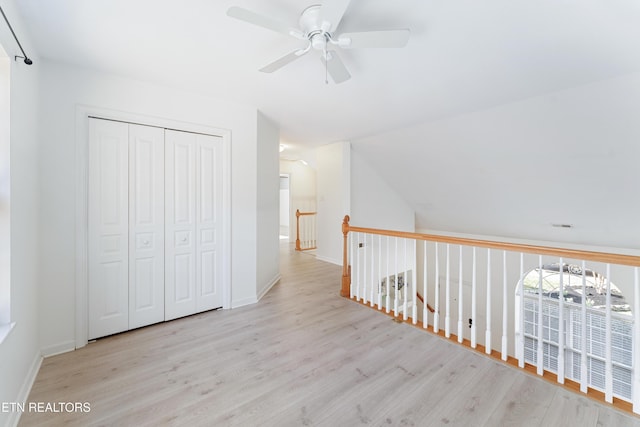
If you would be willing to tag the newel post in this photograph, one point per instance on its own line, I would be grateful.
(297, 229)
(346, 269)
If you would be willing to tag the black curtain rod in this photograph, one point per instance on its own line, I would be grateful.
(26, 58)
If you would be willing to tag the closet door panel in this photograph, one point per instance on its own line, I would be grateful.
(180, 224)
(146, 225)
(108, 228)
(209, 224)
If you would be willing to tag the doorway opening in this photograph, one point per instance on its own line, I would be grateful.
(285, 207)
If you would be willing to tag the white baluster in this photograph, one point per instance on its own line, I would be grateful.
(364, 269)
(487, 337)
(460, 295)
(314, 236)
(406, 282)
(584, 379)
(521, 314)
(561, 325)
(504, 305)
(351, 262)
(636, 340)
(540, 361)
(380, 272)
(371, 280)
(425, 310)
(474, 311)
(304, 233)
(447, 300)
(358, 268)
(414, 281)
(436, 315)
(608, 367)
(388, 298)
(395, 274)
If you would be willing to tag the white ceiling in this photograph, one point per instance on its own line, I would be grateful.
(434, 112)
(463, 55)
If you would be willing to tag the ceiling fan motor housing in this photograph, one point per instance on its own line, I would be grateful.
(314, 30)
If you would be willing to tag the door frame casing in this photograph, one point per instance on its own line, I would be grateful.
(83, 112)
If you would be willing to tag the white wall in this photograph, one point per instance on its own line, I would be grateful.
(5, 187)
(268, 206)
(374, 204)
(334, 198)
(19, 353)
(302, 188)
(64, 88)
(564, 157)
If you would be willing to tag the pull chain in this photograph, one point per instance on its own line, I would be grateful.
(326, 65)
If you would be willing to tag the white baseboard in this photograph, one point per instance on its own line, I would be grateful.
(243, 302)
(269, 286)
(330, 260)
(23, 394)
(64, 347)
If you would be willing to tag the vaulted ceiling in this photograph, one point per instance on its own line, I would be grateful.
(463, 57)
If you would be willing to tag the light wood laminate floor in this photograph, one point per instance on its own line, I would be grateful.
(302, 356)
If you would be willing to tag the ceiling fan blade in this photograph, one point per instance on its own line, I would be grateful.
(335, 67)
(263, 21)
(287, 59)
(374, 39)
(331, 13)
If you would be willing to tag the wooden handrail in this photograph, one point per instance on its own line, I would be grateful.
(431, 309)
(515, 247)
(298, 215)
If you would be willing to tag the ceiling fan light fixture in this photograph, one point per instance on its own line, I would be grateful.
(319, 41)
(318, 24)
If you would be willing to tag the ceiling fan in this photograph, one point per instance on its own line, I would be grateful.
(317, 27)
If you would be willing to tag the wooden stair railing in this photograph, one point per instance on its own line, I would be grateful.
(368, 278)
(310, 243)
(629, 260)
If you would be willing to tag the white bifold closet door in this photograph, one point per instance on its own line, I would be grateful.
(126, 226)
(193, 223)
(108, 221)
(146, 225)
(155, 225)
